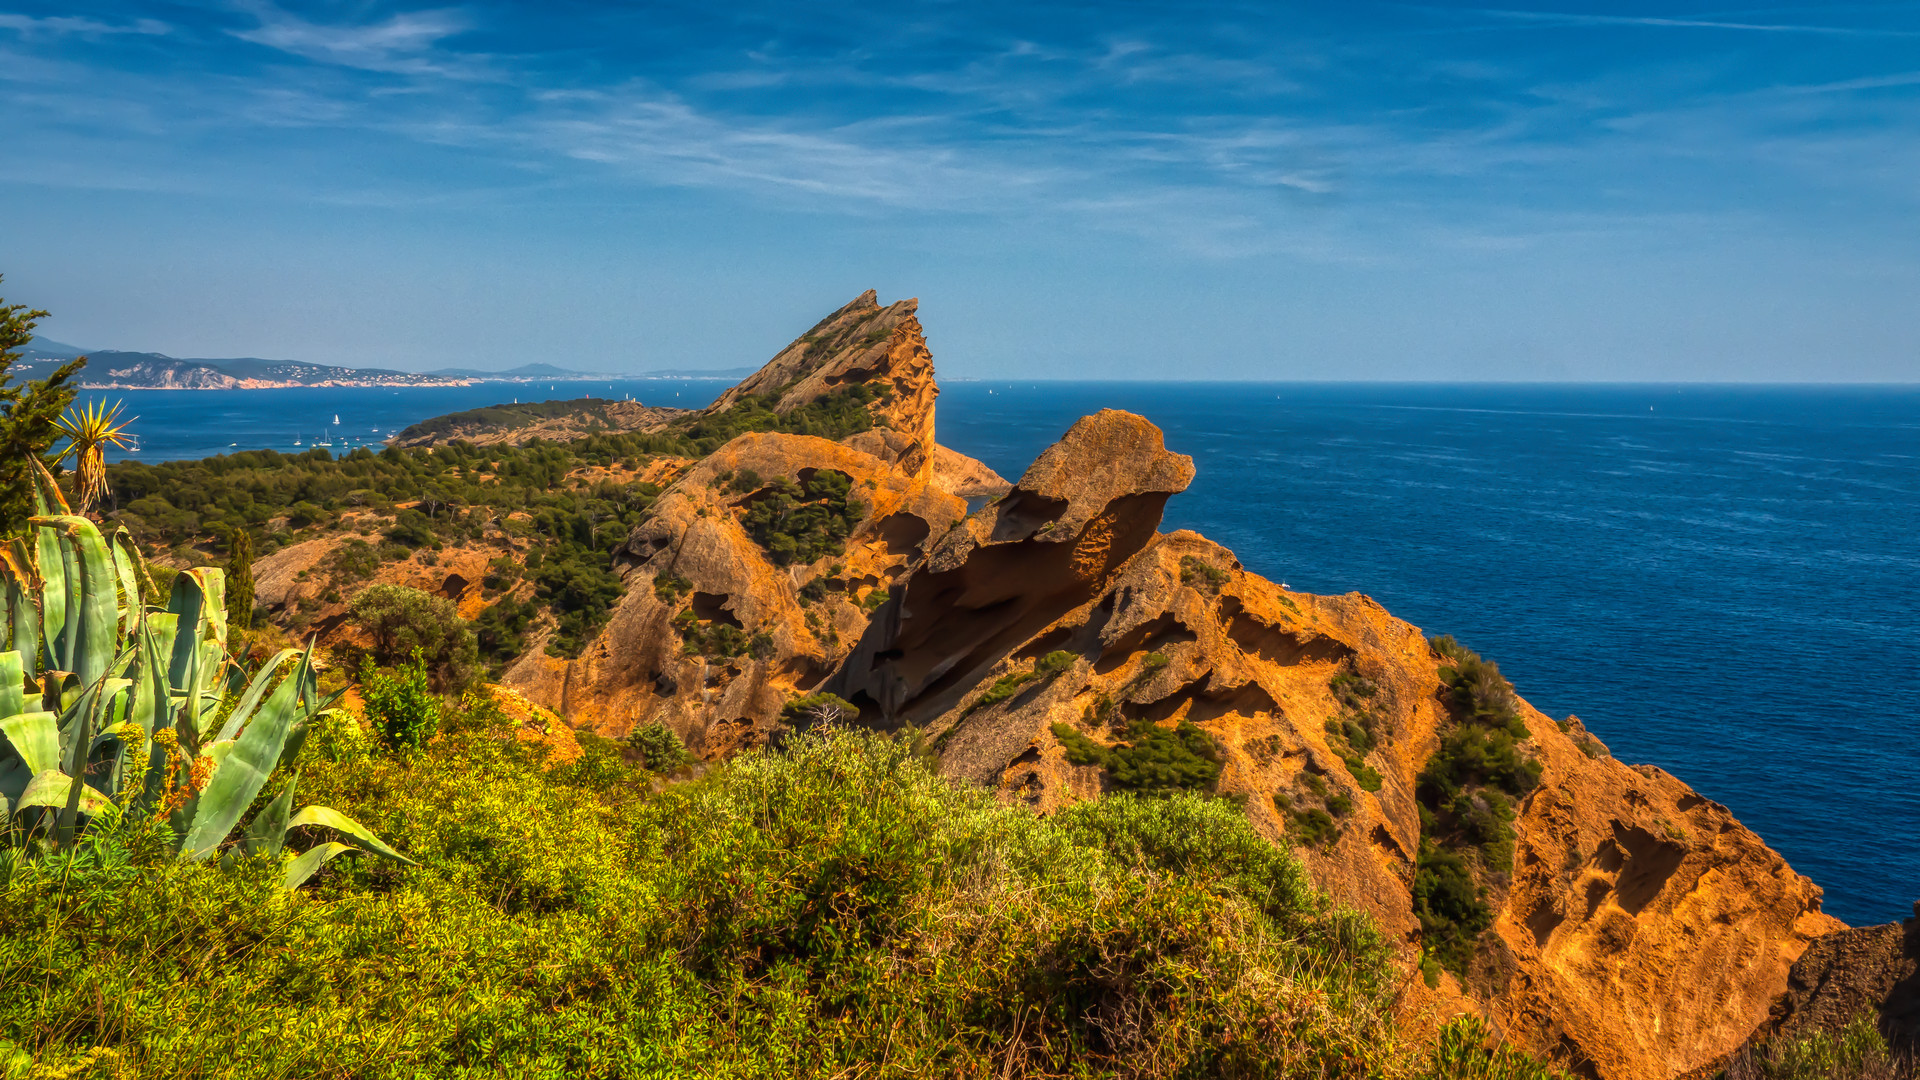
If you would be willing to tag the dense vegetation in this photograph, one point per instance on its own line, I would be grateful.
(1466, 794)
(833, 907)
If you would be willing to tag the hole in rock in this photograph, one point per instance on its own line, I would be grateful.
(1543, 921)
(1150, 636)
(1022, 512)
(1651, 861)
(454, 587)
(710, 607)
(1274, 645)
(1207, 703)
(903, 533)
(1046, 643)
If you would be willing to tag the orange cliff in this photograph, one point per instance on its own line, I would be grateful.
(1642, 931)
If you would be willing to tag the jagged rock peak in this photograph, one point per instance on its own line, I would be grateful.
(862, 344)
(1102, 458)
(1112, 468)
(1090, 503)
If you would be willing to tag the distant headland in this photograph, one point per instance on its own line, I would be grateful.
(113, 369)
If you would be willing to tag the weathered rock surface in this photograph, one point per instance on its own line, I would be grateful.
(640, 670)
(1643, 930)
(1872, 970)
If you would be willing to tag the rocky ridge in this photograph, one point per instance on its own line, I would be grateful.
(1640, 931)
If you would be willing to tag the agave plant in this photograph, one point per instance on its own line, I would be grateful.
(109, 707)
(89, 431)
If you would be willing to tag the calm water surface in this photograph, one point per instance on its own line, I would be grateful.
(1721, 581)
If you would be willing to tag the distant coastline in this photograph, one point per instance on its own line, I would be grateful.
(112, 369)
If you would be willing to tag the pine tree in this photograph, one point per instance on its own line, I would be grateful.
(29, 416)
(240, 580)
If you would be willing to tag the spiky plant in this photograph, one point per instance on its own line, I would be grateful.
(89, 431)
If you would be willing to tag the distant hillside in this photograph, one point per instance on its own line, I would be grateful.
(114, 369)
(523, 373)
(47, 349)
(556, 421)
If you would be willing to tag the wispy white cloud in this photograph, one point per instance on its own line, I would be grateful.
(403, 44)
(1558, 18)
(61, 25)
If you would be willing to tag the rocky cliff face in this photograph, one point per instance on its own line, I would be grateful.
(731, 608)
(1640, 931)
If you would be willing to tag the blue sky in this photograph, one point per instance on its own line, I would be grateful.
(1143, 190)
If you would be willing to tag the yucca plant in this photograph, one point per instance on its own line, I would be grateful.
(89, 431)
(109, 707)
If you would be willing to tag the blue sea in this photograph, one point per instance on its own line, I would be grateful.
(1722, 581)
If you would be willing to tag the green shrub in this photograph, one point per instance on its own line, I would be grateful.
(354, 560)
(1467, 1049)
(1855, 1052)
(1465, 793)
(400, 705)
(1054, 663)
(1197, 573)
(819, 708)
(1080, 749)
(660, 750)
(1159, 760)
(411, 529)
(671, 587)
(1314, 827)
(336, 736)
(1452, 912)
(801, 523)
(407, 623)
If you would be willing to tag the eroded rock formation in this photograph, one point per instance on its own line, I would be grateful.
(1640, 932)
(698, 560)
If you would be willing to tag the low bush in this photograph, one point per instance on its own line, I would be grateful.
(1465, 793)
(403, 710)
(1197, 573)
(1152, 760)
(1450, 906)
(661, 751)
(1855, 1052)
(406, 623)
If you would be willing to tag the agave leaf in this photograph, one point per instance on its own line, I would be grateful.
(256, 690)
(35, 736)
(92, 602)
(302, 868)
(54, 788)
(328, 818)
(131, 606)
(47, 497)
(86, 721)
(268, 833)
(53, 596)
(239, 777)
(13, 684)
(23, 618)
(187, 603)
